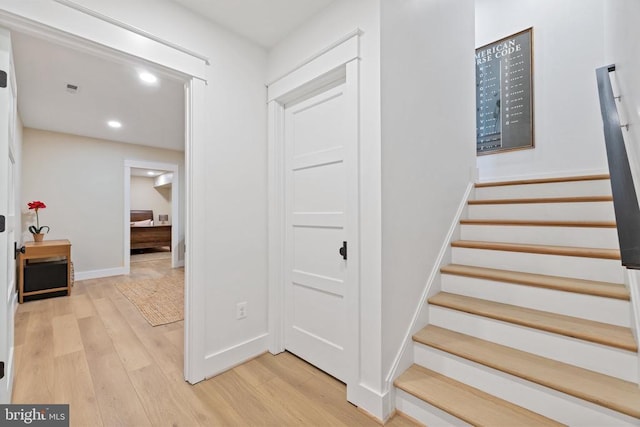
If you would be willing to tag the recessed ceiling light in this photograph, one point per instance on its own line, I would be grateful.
(147, 77)
(151, 173)
(114, 124)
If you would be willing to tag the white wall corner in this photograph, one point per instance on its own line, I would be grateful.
(404, 357)
(235, 355)
(379, 405)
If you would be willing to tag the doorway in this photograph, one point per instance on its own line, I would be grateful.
(171, 185)
(55, 36)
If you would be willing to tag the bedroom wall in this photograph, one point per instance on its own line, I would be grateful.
(568, 46)
(145, 196)
(84, 196)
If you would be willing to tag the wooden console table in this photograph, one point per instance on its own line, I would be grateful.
(45, 249)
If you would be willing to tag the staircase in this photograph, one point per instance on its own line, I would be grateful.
(532, 324)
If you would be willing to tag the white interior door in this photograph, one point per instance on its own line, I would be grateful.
(7, 209)
(319, 160)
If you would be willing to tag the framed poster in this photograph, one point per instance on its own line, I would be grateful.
(504, 94)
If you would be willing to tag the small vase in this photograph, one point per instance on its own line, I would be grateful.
(37, 237)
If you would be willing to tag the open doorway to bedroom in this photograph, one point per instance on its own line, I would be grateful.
(153, 226)
(150, 215)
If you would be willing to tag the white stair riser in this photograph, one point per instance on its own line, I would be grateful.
(596, 357)
(584, 237)
(578, 211)
(599, 309)
(600, 187)
(545, 401)
(604, 270)
(424, 412)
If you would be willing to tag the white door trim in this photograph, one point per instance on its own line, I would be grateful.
(175, 209)
(341, 60)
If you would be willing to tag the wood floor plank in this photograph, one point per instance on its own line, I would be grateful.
(82, 305)
(613, 393)
(567, 284)
(117, 398)
(73, 386)
(242, 400)
(34, 371)
(20, 330)
(467, 403)
(165, 408)
(292, 406)
(539, 249)
(588, 330)
(66, 335)
(130, 350)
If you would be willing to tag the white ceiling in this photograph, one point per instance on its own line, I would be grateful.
(110, 90)
(264, 22)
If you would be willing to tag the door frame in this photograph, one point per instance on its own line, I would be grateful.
(176, 221)
(340, 60)
(176, 62)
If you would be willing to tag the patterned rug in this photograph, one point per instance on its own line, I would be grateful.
(160, 301)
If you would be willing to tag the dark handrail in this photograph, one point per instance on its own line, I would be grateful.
(625, 201)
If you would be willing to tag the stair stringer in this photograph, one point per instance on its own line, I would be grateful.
(404, 356)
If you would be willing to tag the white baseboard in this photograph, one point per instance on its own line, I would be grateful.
(378, 405)
(97, 274)
(235, 355)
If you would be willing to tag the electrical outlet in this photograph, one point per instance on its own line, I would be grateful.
(241, 310)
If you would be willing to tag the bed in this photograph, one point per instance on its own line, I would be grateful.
(144, 235)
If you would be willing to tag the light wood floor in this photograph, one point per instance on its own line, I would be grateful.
(95, 351)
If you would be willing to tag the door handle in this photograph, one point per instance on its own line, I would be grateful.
(343, 250)
(17, 250)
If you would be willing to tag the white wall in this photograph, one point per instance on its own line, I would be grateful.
(144, 195)
(568, 46)
(339, 19)
(81, 181)
(428, 150)
(227, 160)
(622, 45)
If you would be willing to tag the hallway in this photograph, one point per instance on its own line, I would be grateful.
(96, 352)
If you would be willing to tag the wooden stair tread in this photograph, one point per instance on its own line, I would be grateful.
(531, 223)
(619, 395)
(567, 284)
(543, 180)
(588, 330)
(581, 199)
(539, 249)
(467, 403)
